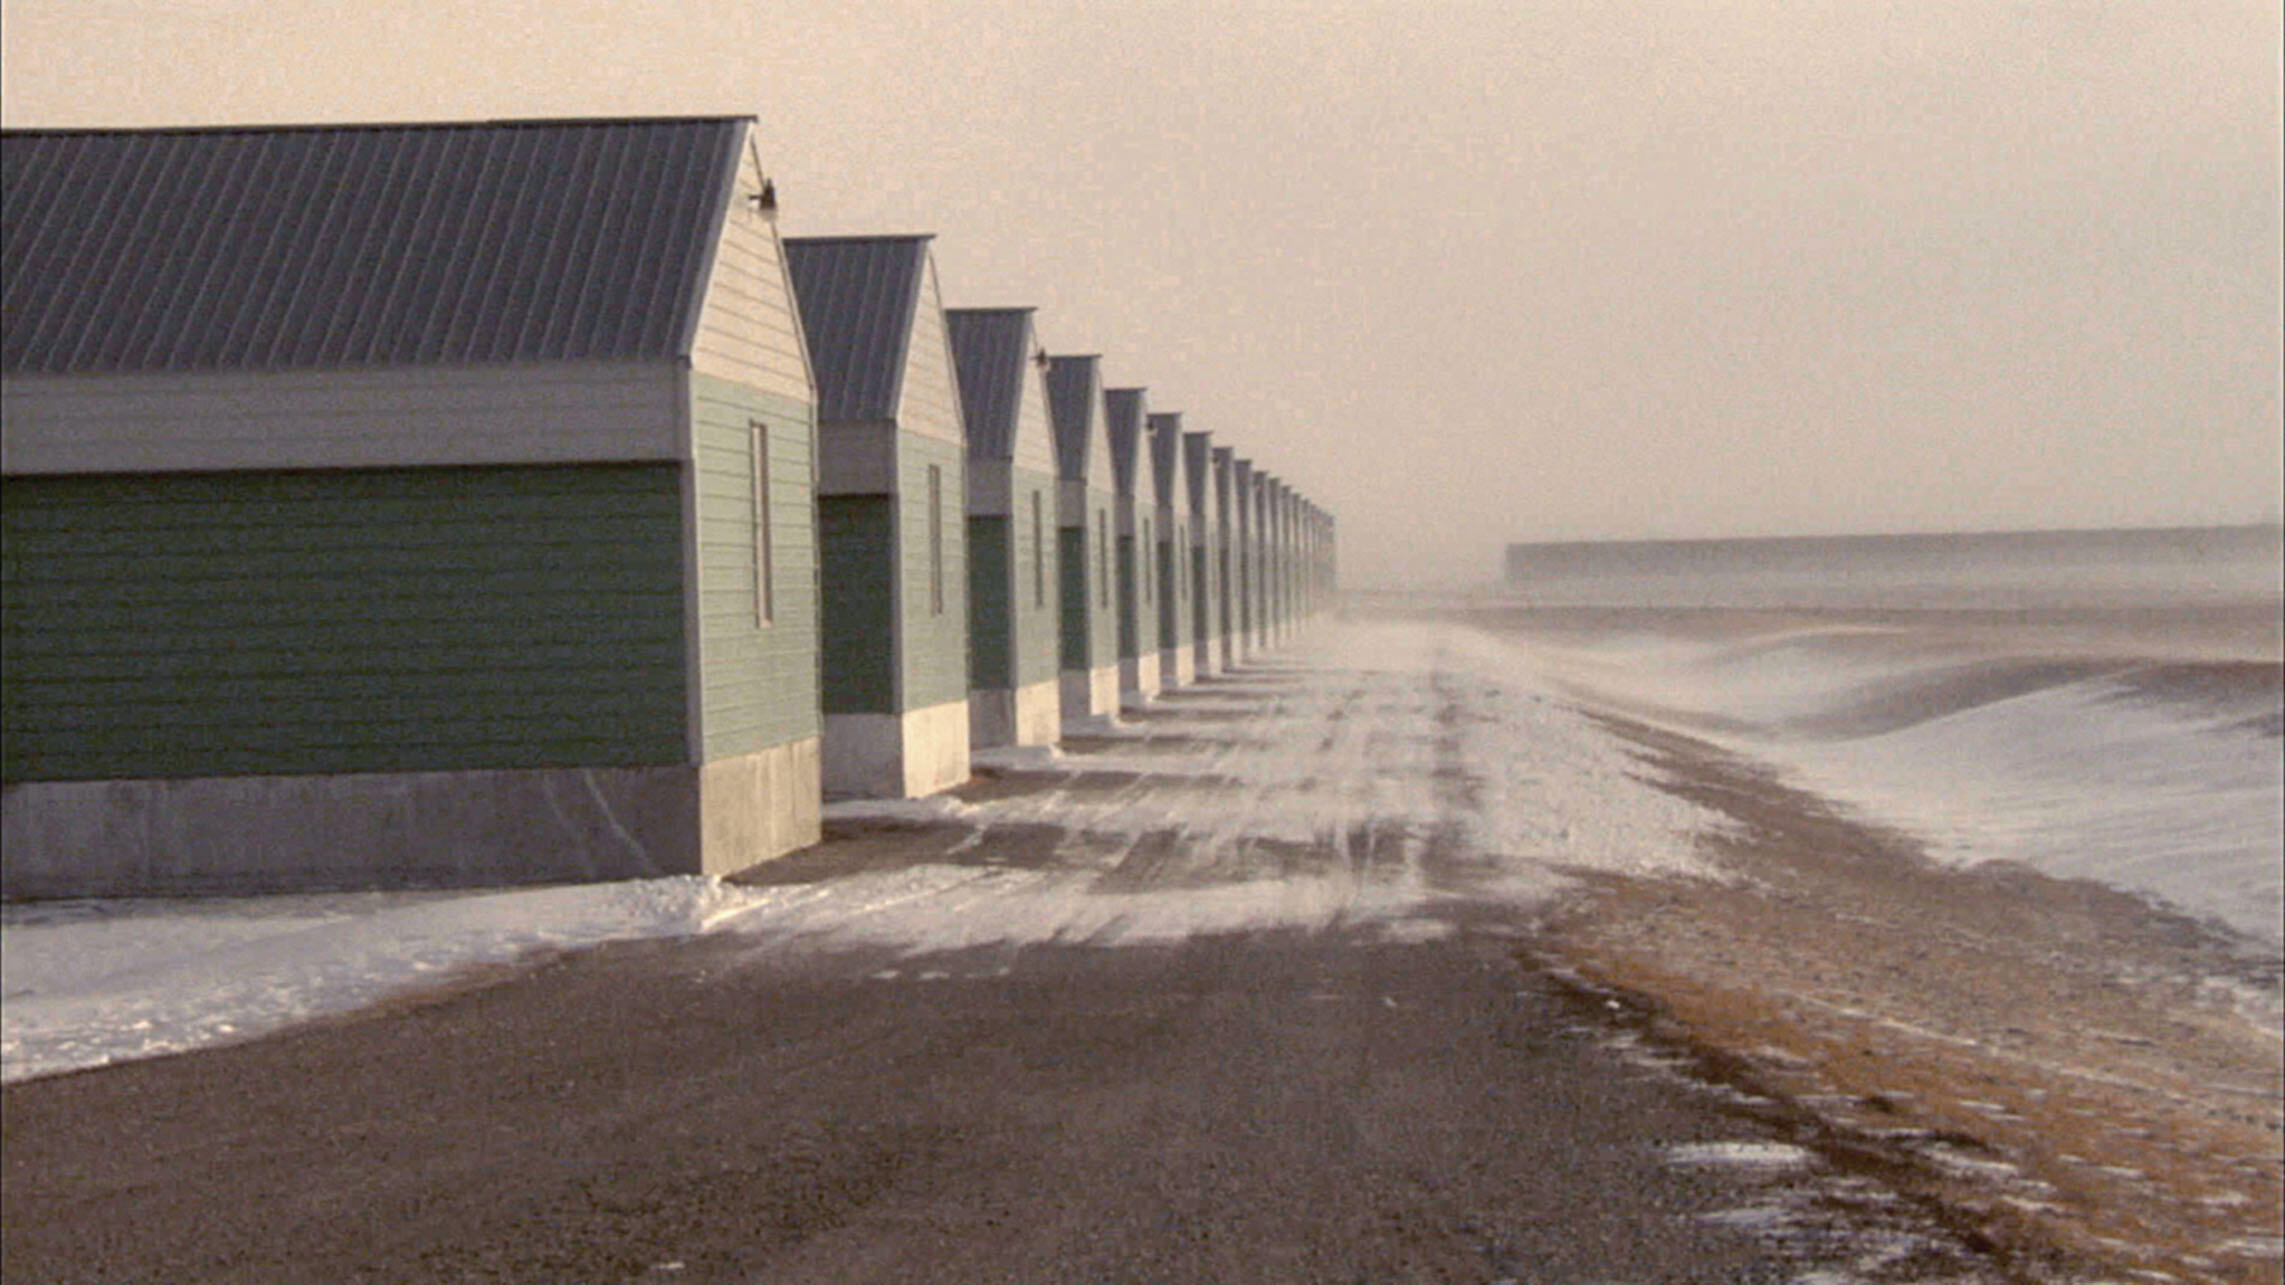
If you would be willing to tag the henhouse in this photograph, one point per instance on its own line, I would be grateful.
(402, 504)
(892, 541)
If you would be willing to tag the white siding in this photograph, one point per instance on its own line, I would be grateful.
(929, 402)
(530, 414)
(747, 330)
(1035, 431)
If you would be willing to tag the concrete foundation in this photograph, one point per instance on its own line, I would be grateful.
(759, 806)
(1090, 693)
(1178, 666)
(896, 756)
(1209, 657)
(1138, 677)
(1030, 715)
(255, 834)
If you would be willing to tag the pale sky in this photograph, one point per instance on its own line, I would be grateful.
(1465, 273)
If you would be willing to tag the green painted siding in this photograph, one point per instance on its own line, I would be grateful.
(856, 545)
(367, 621)
(988, 603)
(1073, 639)
(1035, 578)
(758, 682)
(1130, 610)
(933, 659)
(1103, 603)
(1173, 585)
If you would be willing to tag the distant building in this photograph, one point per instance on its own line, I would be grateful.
(407, 504)
(892, 482)
(1245, 560)
(1015, 586)
(1204, 555)
(1223, 554)
(1086, 497)
(1177, 657)
(1134, 477)
(1268, 534)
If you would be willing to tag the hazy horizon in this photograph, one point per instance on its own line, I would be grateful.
(1466, 274)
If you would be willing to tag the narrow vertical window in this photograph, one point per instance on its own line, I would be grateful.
(1103, 557)
(1038, 553)
(1143, 548)
(758, 441)
(935, 540)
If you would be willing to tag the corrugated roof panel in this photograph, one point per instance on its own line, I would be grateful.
(1197, 470)
(991, 349)
(1075, 403)
(858, 297)
(1225, 461)
(1127, 409)
(323, 246)
(1166, 452)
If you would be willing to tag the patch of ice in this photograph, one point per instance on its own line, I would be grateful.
(932, 808)
(1741, 1154)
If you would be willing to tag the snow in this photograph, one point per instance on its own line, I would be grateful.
(1384, 772)
(91, 983)
(2078, 777)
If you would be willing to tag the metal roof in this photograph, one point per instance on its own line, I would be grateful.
(1166, 451)
(859, 297)
(991, 349)
(1126, 409)
(1075, 403)
(1198, 466)
(330, 246)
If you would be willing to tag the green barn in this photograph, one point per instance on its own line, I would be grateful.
(1177, 654)
(892, 541)
(1205, 578)
(1084, 505)
(1015, 587)
(401, 505)
(1135, 516)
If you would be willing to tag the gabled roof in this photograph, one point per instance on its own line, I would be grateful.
(1126, 408)
(1075, 403)
(364, 245)
(1166, 450)
(991, 349)
(1198, 470)
(858, 297)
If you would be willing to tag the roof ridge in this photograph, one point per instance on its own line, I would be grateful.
(311, 127)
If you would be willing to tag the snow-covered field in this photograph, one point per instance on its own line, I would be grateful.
(1381, 771)
(2147, 772)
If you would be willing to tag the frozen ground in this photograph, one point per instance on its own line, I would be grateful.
(2153, 772)
(1429, 761)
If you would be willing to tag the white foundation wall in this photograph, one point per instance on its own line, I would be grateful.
(759, 806)
(896, 756)
(254, 834)
(1209, 658)
(991, 717)
(1039, 714)
(1090, 693)
(1138, 677)
(1177, 666)
(935, 748)
(1030, 715)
